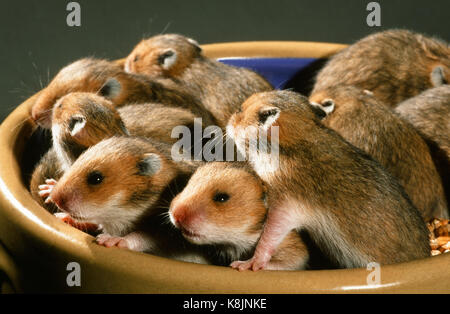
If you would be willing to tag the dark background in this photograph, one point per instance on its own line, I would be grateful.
(36, 41)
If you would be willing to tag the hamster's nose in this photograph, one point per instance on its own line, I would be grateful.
(179, 215)
(60, 200)
(41, 118)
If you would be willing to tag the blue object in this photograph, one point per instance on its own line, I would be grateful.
(278, 71)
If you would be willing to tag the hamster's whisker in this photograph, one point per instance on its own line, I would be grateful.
(166, 28)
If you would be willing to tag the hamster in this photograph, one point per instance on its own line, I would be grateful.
(124, 185)
(361, 119)
(429, 112)
(394, 65)
(110, 81)
(223, 205)
(354, 210)
(221, 88)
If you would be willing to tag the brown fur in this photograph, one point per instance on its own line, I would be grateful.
(353, 209)
(92, 75)
(47, 168)
(363, 121)
(429, 112)
(394, 65)
(157, 121)
(235, 225)
(221, 88)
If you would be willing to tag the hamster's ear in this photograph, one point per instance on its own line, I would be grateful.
(368, 92)
(111, 89)
(167, 58)
(318, 110)
(268, 115)
(149, 165)
(76, 124)
(437, 76)
(326, 106)
(195, 44)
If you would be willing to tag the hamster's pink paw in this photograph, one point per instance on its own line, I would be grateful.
(46, 189)
(254, 264)
(110, 241)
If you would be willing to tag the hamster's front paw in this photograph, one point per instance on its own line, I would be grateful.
(46, 189)
(83, 226)
(254, 264)
(110, 241)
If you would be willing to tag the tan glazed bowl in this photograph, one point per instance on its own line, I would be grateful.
(36, 248)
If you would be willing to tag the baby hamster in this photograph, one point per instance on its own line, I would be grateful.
(354, 210)
(429, 112)
(361, 119)
(394, 65)
(224, 205)
(221, 88)
(117, 184)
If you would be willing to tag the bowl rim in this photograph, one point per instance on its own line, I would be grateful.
(23, 214)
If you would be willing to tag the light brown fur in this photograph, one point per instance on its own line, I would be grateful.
(369, 125)
(429, 112)
(394, 65)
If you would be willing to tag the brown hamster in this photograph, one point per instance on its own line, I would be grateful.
(354, 210)
(394, 65)
(110, 81)
(221, 88)
(223, 205)
(123, 185)
(361, 119)
(429, 112)
(79, 120)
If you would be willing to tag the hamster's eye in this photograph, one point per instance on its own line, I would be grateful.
(221, 197)
(95, 178)
(264, 115)
(162, 58)
(136, 58)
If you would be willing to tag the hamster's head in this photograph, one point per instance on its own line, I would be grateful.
(89, 75)
(334, 98)
(163, 56)
(289, 112)
(114, 183)
(223, 203)
(85, 119)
